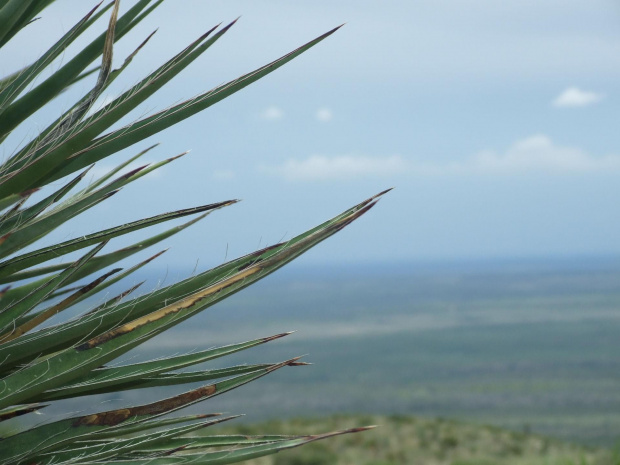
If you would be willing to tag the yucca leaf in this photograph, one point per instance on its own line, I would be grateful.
(12, 91)
(29, 232)
(118, 168)
(116, 72)
(23, 290)
(241, 272)
(19, 410)
(231, 455)
(115, 110)
(137, 94)
(10, 200)
(122, 295)
(83, 75)
(67, 122)
(133, 428)
(121, 276)
(108, 378)
(24, 216)
(160, 380)
(100, 262)
(42, 255)
(49, 312)
(70, 359)
(134, 132)
(97, 451)
(56, 164)
(97, 289)
(51, 436)
(112, 76)
(11, 212)
(216, 284)
(205, 442)
(118, 277)
(30, 301)
(173, 379)
(32, 7)
(4, 290)
(7, 79)
(82, 293)
(13, 199)
(75, 115)
(137, 174)
(10, 15)
(53, 85)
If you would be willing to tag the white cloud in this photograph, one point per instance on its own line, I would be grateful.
(532, 155)
(98, 171)
(319, 167)
(539, 153)
(324, 115)
(272, 113)
(535, 154)
(575, 97)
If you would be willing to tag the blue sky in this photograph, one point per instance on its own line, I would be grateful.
(496, 122)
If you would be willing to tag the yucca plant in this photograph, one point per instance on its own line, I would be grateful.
(42, 363)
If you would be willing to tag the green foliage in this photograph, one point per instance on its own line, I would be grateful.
(404, 440)
(70, 359)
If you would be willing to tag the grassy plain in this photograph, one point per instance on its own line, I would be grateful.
(533, 347)
(404, 440)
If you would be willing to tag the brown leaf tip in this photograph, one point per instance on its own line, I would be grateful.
(360, 429)
(178, 156)
(175, 450)
(4, 290)
(277, 366)
(221, 420)
(276, 336)
(232, 23)
(29, 192)
(133, 172)
(384, 192)
(209, 415)
(150, 259)
(328, 33)
(4, 238)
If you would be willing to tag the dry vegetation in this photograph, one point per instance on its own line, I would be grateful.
(401, 440)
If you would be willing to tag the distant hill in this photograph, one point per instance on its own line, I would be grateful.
(407, 440)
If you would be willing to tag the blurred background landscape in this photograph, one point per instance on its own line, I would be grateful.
(531, 346)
